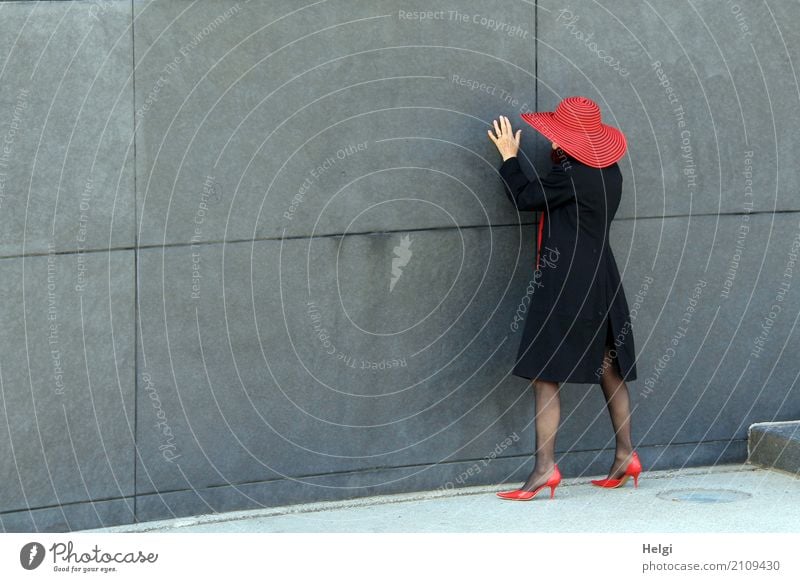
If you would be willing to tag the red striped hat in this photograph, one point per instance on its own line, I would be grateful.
(576, 128)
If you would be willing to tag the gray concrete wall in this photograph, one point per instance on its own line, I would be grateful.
(201, 202)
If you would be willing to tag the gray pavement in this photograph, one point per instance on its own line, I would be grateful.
(722, 498)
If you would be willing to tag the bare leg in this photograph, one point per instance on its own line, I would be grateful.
(548, 416)
(615, 391)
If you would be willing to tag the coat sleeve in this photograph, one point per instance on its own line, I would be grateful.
(550, 191)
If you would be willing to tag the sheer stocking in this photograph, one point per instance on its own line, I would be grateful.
(615, 391)
(548, 415)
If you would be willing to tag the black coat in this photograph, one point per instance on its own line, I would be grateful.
(577, 292)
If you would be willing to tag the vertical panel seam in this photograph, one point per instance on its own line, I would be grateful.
(135, 270)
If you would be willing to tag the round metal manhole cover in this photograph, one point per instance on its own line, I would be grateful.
(704, 495)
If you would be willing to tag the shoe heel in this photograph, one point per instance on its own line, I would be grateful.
(557, 475)
(636, 469)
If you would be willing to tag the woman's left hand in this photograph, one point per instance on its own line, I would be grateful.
(505, 140)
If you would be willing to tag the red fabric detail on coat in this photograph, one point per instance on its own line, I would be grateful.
(539, 239)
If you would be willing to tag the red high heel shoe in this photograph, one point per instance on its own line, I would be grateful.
(520, 495)
(632, 470)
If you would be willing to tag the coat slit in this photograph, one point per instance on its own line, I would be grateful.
(610, 344)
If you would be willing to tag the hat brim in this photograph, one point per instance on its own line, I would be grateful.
(598, 149)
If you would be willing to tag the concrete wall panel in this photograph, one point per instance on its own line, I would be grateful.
(322, 119)
(67, 379)
(66, 164)
(262, 376)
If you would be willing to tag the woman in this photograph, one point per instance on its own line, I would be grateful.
(578, 328)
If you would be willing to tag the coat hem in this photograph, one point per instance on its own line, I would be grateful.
(541, 377)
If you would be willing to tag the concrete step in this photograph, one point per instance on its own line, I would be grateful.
(775, 445)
